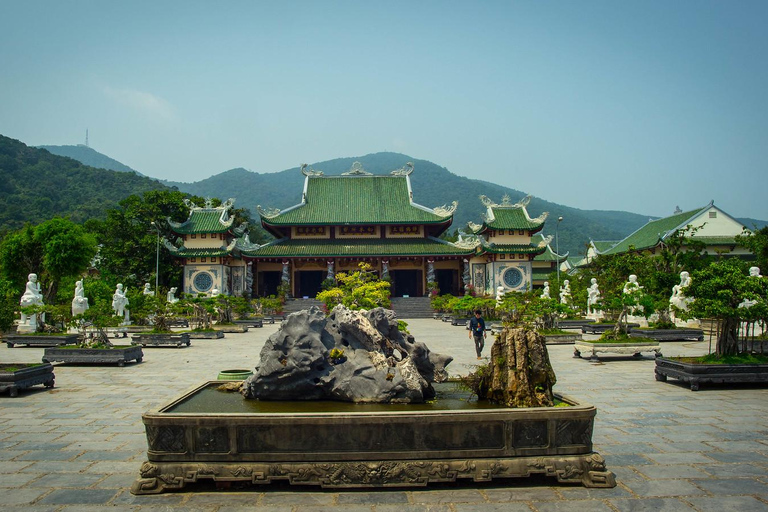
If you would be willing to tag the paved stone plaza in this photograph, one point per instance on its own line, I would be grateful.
(80, 445)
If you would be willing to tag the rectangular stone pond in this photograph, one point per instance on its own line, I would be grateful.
(208, 434)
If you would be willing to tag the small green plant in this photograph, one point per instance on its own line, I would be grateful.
(336, 355)
(402, 326)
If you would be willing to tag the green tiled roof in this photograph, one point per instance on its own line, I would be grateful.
(356, 247)
(604, 245)
(203, 220)
(197, 253)
(716, 240)
(548, 254)
(650, 234)
(511, 218)
(513, 249)
(339, 200)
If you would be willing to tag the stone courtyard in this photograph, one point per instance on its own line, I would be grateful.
(79, 446)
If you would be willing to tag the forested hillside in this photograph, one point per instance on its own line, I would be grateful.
(89, 156)
(432, 186)
(36, 186)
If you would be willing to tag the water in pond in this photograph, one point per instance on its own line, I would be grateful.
(211, 401)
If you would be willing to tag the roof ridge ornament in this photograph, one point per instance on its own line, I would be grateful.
(545, 241)
(540, 218)
(406, 170)
(307, 170)
(487, 201)
(268, 213)
(173, 247)
(468, 241)
(523, 202)
(474, 227)
(356, 170)
(446, 210)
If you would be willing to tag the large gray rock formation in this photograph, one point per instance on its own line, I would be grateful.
(379, 363)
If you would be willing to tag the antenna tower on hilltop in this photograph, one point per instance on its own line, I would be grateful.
(86, 137)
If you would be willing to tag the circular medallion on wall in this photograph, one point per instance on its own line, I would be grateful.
(203, 281)
(513, 278)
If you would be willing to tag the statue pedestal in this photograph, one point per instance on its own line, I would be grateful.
(26, 328)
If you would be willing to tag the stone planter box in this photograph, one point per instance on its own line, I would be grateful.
(118, 355)
(697, 374)
(562, 339)
(601, 328)
(462, 322)
(635, 348)
(231, 328)
(668, 334)
(16, 376)
(574, 324)
(33, 340)
(206, 335)
(381, 446)
(250, 322)
(161, 340)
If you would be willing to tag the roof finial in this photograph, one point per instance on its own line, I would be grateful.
(356, 170)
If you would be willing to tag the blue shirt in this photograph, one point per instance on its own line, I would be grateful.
(477, 326)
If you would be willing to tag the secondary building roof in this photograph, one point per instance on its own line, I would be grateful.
(205, 220)
(722, 232)
(508, 216)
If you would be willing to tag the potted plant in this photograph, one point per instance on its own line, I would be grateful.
(93, 345)
(161, 312)
(16, 376)
(726, 292)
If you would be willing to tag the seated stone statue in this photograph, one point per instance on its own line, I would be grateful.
(632, 286)
(545, 292)
(499, 294)
(215, 292)
(171, 297)
(32, 296)
(565, 292)
(754, 272)
(119, 303)
(148, 290)
(593, 295)
(80, 301)
(678, 298)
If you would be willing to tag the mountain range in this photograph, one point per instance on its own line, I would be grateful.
(432, 185)
(36, 185)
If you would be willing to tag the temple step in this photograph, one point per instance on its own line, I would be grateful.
(412, 307)
(294, 305)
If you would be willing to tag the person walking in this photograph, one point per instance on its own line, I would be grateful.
(477, 330)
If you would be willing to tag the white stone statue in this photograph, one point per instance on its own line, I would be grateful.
(499, 294)
(632, 286)
(119, 302)
(171, 297)
(748, 303)
(80, 301)
(32, 296)
(593, 295)
(678, 298)
(148, 290)
(545, 292)
(565, 292)
(215, 292)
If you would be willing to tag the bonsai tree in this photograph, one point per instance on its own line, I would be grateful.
(717, 292)
(530, 310)
(361, 289)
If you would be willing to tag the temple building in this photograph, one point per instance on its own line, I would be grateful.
(357, 217)
(712, 226)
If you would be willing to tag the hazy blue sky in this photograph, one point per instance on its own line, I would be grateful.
(637, 106)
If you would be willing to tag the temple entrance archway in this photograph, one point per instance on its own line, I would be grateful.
(406, 282)
(267, 283)
(309, 283)
(447, 281)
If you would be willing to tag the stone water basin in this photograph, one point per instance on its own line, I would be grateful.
(207, 434)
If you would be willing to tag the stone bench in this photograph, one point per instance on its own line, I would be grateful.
(631, 348)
